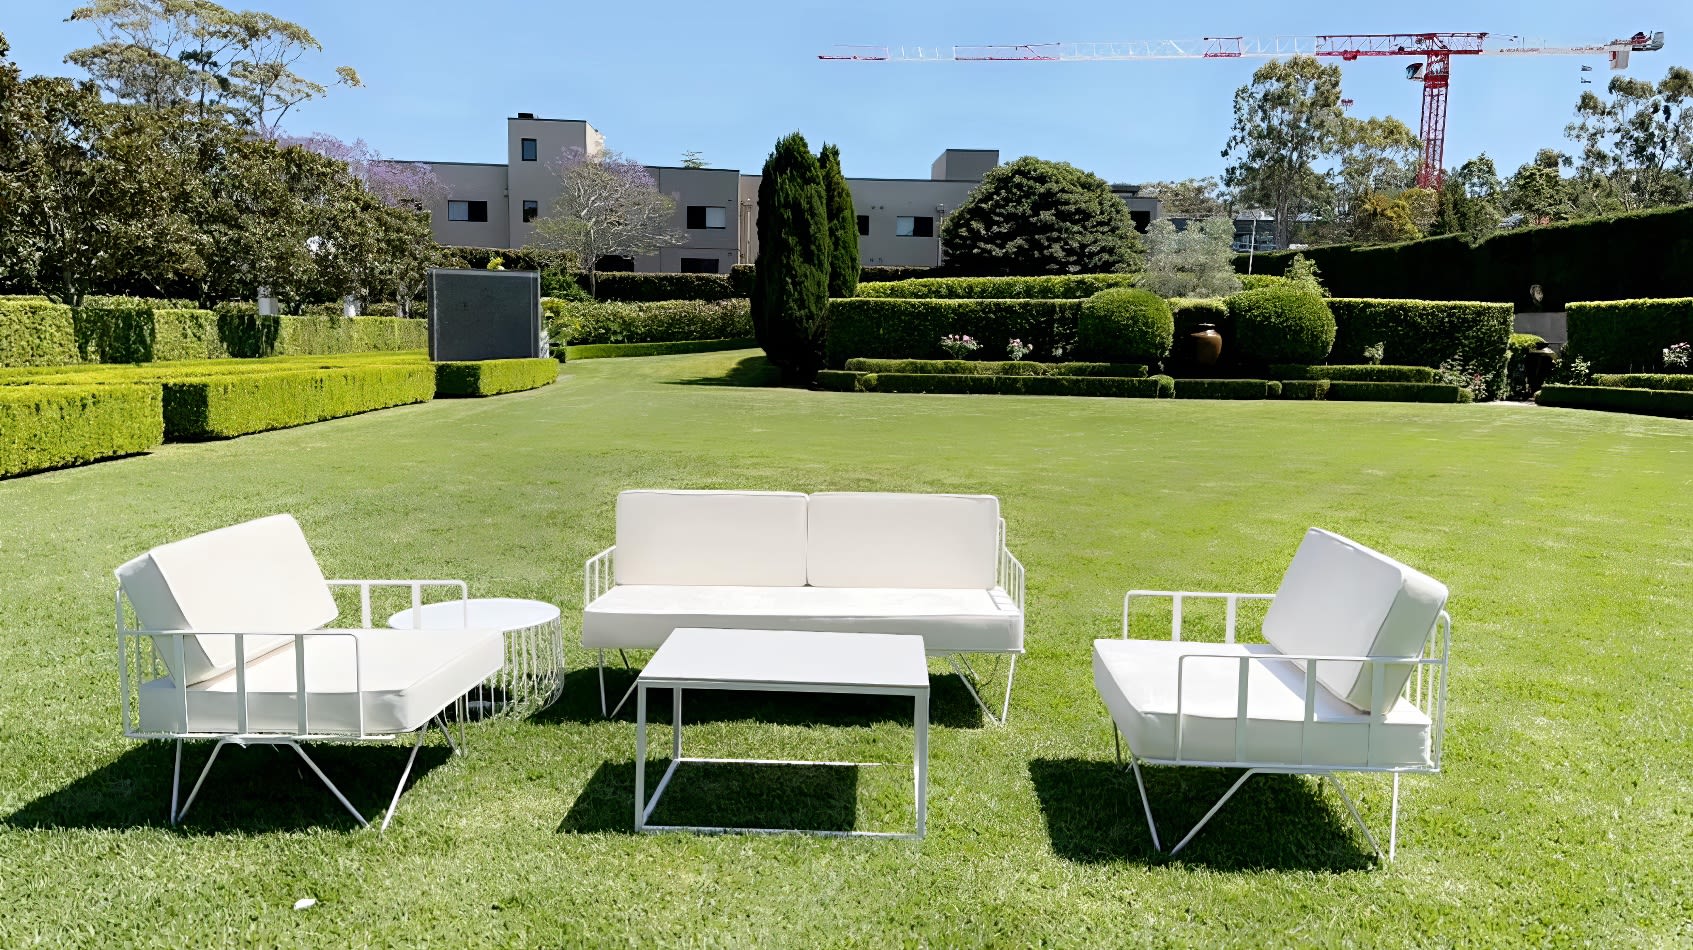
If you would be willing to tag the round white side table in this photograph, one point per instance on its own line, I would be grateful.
(533, 674)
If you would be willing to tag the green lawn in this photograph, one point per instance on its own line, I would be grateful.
(1564, 815)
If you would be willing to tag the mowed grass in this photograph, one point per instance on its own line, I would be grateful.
(1564, 815)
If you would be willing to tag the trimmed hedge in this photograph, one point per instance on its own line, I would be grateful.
(36, 333)
(600, 351)
(1050, 287)
(661, 322)
(882, 273)
(1279, 325)
(1227, 389)
(912, 329)
(1146, 388)
(326, 336)
(97, 374)
(1426, 333)
(1645, 402)
(1348, 391)
(187, 335)
(1680, 382)
(1355, 374)
(842, 380)
(493, 377)
(996, 368)
(1648, 253)
(1260, 281)
(46, 427)
(220, 407)
(651, 288)
(1124, 325)
(1629, 336)
(1304, 389)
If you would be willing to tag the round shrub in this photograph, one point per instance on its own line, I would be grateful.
(1280, 324)
(1125, 325)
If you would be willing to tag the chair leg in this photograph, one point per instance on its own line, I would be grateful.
(1393, 823)
(1145, 804)
(1354, 810)
(177, 818)
(602, 684)
(175, 781)
(952, 660)
(1010, 677)
(627, 693)
(394, 803)
(1215, 808)
(331, 785)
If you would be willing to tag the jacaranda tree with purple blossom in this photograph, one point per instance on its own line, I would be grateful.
(399, 184)
(607, 206)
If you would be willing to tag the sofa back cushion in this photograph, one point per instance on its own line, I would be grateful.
(1341, 598)
(711, 538)
(256, 577)
(895, 540)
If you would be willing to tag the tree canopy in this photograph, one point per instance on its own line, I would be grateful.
(1032, 217)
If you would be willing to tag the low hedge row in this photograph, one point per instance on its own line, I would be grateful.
(1355, 374)
(493, 377)
(1629, 336)
(1426, 333)
(1116, 387)
(995, 368)
(1304, 389)
(600, 351)
(1646, 402)
(46, 427)
(661, 322)
(36, 333)
(220, 407)
(1352, 391)
(1682, 382)
(898, 328)
(1228, 389)
(1049, 287)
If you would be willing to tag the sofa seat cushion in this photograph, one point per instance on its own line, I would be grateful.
(1137, 680)
(642, 616)
(407, 677)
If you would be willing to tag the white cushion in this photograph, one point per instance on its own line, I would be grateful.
(948, 620)
(256, 577)
(711, 537)
(1137, 679)
(894, 540)
(1340, 598)
(407, 676)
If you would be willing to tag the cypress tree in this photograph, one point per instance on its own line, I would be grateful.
(843, 226)
(790, 297)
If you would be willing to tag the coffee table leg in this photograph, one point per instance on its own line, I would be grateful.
(640, 756)
(921, 728)
(676, 724)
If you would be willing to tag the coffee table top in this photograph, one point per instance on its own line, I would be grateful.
(790, 658)
(486, 613)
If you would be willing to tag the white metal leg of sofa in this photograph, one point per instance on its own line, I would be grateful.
(626, 693)
(176, 815)
(962, 667)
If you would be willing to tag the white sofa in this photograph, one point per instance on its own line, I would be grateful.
(1351, 677)
(933, 566)
(232, 623)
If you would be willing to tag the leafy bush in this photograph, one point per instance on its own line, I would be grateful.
(1261, 281)
(1358, 374)
(1304, 389)
(596, 351)
(1226, 389)
(1280, 325)
(493, 377)
(1124, 325)
(1189, 312)
(36, 333)
(1677, 381)
(220, 407)
(1629, 336)
(45, 427)
(1050, 287)
(1427, 333)
(995, 368)
(1030, 216)
(660, 322)
(1340, 390)
(1193, 262)
(907, 329)
(1646, 402)
(1146, 388)
(740, 279)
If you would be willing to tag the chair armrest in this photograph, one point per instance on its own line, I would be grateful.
(598, 574)
(1176, 598)
(1012, 578)
(416, 586)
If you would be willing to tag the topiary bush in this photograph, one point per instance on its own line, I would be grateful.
(1280, 325)
(1125, 325)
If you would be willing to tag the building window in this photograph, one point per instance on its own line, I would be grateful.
(918, 226)
(529, 150)
(531, 211)
(616, 265)
(467, 211)
(864, 225)
(707, 217)
(699, 265)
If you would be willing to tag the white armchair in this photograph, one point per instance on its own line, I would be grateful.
(230, 644)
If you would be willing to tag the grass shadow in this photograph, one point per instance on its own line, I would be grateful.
(752, 371)
(1275, 822)
(950, 704)
(258, 789)
(720, 794)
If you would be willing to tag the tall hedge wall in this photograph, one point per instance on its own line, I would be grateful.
(570, 322)
(1051, 287)
(1425, 333)
(1642, 254)
(44, 427)
(879, 328)
(1624, 336)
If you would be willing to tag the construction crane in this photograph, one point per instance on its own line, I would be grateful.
(1435, 71)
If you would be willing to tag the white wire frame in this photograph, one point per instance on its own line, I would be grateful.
(142, 658)
(1425, 688)
(599, 575)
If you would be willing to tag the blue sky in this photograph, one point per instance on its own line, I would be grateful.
(728, 79)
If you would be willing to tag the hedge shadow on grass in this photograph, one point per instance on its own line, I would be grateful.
(751, 372)
(1275, 822)
(719, 795)
(253, 790)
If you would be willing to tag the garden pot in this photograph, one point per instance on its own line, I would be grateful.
(1207, 344)
(1538, 365)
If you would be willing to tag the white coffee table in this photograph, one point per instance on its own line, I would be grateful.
(782, 661)
(533, 673)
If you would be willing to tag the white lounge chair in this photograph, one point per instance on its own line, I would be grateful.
(232, 623)
(1352, 678)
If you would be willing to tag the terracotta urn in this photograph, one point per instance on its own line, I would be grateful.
(1207, 344)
